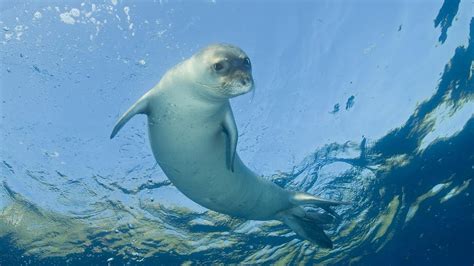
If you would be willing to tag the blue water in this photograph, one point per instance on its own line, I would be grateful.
(360, 101)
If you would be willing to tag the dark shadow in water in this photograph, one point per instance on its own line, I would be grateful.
(445, 17)
(455, 82)
(350, 102)
(440, 233)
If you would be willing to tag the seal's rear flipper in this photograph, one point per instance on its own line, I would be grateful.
(140, 107)
(307, 224)
(302, 199)
(307, 228)
(305, 199)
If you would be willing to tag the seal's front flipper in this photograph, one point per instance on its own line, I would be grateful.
(140, 107)
(231, 130)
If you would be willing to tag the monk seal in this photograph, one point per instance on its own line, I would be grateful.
(193, 137)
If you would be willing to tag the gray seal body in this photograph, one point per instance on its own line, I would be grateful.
(193, 136)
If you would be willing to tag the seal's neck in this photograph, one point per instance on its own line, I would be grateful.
(180, 85)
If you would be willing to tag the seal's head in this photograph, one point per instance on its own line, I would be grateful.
(224, 71)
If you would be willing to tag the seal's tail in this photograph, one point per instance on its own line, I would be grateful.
(309, 224)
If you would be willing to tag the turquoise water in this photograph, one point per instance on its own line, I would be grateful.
(365, 102)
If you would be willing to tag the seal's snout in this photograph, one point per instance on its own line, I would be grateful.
(243, 78)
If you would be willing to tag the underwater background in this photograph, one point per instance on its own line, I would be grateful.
(370, 102)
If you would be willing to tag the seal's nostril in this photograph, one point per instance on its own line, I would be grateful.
(245, 81)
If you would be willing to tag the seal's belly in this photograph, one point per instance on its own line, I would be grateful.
(194, 158)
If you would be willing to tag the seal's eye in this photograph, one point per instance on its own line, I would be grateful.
(247, 62)
(218, 66)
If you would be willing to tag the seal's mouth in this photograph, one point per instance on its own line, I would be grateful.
(232, 88)
(237, 87)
